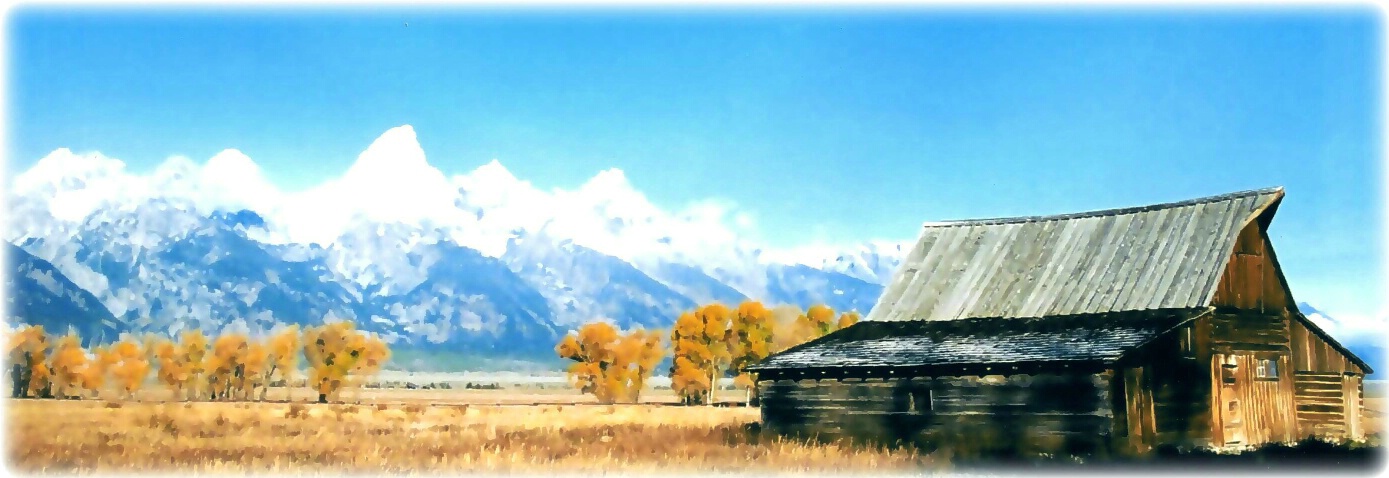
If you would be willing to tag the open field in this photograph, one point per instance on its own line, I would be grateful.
(397, 430)
(100, 436)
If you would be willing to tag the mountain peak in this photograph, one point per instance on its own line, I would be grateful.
(398, 149)
(63, 169)
(493, 172)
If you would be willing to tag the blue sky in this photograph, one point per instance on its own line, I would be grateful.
(838, 126)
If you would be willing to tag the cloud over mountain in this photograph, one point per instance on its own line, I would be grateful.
(399, 246)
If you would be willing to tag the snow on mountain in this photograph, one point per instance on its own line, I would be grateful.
(36, 293)
(481, 258)
(582, 284)
(873, 261)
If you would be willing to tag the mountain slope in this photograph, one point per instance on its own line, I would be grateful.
(36, 293)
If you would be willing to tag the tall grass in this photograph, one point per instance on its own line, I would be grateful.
(90, 436)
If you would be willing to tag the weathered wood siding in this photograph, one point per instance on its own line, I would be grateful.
(1313, 393)
(1328, 386)
(1321, 404)
(1251, 280)
(1247, 409)
(1056, 413)
(1180, 401)
(1312, 354)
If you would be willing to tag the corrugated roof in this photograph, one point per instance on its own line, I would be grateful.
(1163, 256)
(996, 340)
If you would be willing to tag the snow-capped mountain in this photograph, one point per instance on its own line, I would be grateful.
(479, 261)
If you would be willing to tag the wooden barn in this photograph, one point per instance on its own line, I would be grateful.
(1100, 332)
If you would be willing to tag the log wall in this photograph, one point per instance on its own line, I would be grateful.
(1043, 413)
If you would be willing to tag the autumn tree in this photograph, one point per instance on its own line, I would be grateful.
(817, 322)
(691, 358)
(610, 366)
(337, 350)
(785, 322)
(284, 348)
(225, 365)
(94, 374)
(375, 353)
(28, 354)
(193, 347)
(131, 365)
(255, 365)
(637, 355)
(591, 348)
(703, 343)
(846, 319)
(752, 333)
(175, 369)
(69, 360)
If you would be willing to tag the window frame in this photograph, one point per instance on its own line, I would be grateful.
(1266, 369)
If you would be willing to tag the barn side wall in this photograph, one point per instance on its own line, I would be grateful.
(1166, 390)
(1317, 392)
(1055, 413)
(1329, 387)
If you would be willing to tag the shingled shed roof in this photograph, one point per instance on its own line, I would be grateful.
(1164, 256)
(998, 340)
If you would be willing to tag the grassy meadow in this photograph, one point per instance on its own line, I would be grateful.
(414, 431)
(521, 429)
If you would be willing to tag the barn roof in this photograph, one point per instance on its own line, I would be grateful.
(996, 340)
(1163, 256)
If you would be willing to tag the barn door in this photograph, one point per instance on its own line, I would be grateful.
(1139, 404)
(1229, 404)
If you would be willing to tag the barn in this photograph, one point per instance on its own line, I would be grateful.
(1111, 331)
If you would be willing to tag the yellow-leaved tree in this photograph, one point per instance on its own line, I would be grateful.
(255, 365)
(336, 350)
(193, 349)
(846, 319)
(68, 362)
(638, 353)
(98, 367)
(703, 344)
(591, 349)
(284, 348)
(817, 322)
(752, 331)
(225, 364)
(28, 355)
(174, 368)
(131, 365)
(610, 366)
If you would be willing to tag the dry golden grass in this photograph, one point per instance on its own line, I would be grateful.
(102, 436)
(1374, 415)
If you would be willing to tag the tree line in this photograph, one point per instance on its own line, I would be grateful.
(231, 366)
(705, 344)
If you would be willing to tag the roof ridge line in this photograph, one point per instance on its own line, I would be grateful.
(1105, 212)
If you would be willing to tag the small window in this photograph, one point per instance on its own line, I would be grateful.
(1228, 369)
(1267, 369)
(921, 401)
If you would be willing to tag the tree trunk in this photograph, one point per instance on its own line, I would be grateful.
(322, 398)
(713, 385)
(17, 379)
